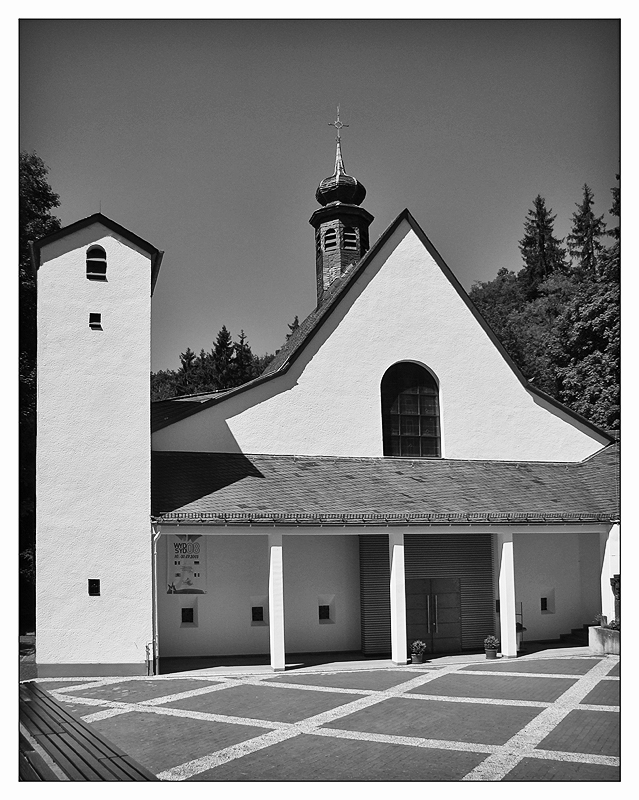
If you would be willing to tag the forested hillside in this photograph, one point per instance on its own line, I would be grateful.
(559, 315)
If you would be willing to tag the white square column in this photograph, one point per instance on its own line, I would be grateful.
(397, 598)
(507, 607)
(276, 602)
(609, 568)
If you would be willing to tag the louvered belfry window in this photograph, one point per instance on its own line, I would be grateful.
(96, 263)
(410, 412)
(350, 239)
(330, 239)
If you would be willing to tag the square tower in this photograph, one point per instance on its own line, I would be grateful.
(93, 533)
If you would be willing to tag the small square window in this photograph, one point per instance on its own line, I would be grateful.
(324, 612)
(187, 615)
(94, 587)
(257, 614)
(95, 322)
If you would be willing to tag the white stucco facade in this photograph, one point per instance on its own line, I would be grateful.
(564, 568)
(402, 308)
(94, 478)
(317, 570)
(93, 459)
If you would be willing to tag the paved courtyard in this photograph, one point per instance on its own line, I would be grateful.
(530, 719)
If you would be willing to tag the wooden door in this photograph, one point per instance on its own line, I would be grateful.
(433, 613)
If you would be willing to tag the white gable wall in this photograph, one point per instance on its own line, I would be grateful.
(93, 459)
(403, 308)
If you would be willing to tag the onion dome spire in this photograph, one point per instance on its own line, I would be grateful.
(340, 187)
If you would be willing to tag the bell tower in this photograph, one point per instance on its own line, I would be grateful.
(341, 226)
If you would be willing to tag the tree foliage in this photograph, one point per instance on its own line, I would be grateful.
(226, 365)
(540, 249)
(36, 199)
(560, 321)
(584, 241)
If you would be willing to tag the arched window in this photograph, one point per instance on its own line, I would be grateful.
(330, 239)
(350, 239)
(410, 412)
(96, 263)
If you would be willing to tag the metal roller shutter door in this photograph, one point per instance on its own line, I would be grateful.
(464, 556)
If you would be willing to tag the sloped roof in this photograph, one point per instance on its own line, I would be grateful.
(166, 412)
(233, 488)
(331, 299)
(147, 247)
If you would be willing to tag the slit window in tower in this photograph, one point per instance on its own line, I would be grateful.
(350, 239)
(95, 322)
(330, 239)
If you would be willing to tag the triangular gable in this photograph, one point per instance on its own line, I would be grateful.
(338, 291)
(109, 224)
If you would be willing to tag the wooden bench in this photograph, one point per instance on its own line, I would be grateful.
(55, 745)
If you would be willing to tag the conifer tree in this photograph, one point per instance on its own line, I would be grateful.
(584, 241)
(223, 352)
(244, 360)
(185, 374)
(541, 250)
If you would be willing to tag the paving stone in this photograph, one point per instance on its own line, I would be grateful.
(78, 710)
(371, 680)
(50, 686)
(615, 672)
(536, 769)
(581, 731)
(160, 742)
(265, 702)
(320, 758)
(440, 719)
(605, 693)
(137, 691)
(541, 666)
(506, 687)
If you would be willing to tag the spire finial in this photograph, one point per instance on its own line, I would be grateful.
(339, 161)
(338, 125)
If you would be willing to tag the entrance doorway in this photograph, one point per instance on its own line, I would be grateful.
(433, 613)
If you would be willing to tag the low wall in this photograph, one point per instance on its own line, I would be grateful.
(604, 641)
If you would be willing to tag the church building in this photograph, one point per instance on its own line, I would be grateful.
(391, 476)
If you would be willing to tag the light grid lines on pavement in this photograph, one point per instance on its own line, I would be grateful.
(265, 713)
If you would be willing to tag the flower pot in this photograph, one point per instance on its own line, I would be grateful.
(416, 658)
(491, 653)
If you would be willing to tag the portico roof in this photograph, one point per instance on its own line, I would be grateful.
(239, 489)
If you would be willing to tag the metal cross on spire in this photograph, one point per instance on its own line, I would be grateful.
(338, 125)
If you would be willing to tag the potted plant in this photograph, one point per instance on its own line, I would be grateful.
(491, 645)
(417, 650)
(520, 634)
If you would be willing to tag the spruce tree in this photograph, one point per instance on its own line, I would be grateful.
(244, 361)
(541, 250)
(584, 241)
(223, 352)
(185, 374)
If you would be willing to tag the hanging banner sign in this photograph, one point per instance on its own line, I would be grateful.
(186, 558)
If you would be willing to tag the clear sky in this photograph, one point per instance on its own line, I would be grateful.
(209, 137)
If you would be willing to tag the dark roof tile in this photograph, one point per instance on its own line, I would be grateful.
(232, 487)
